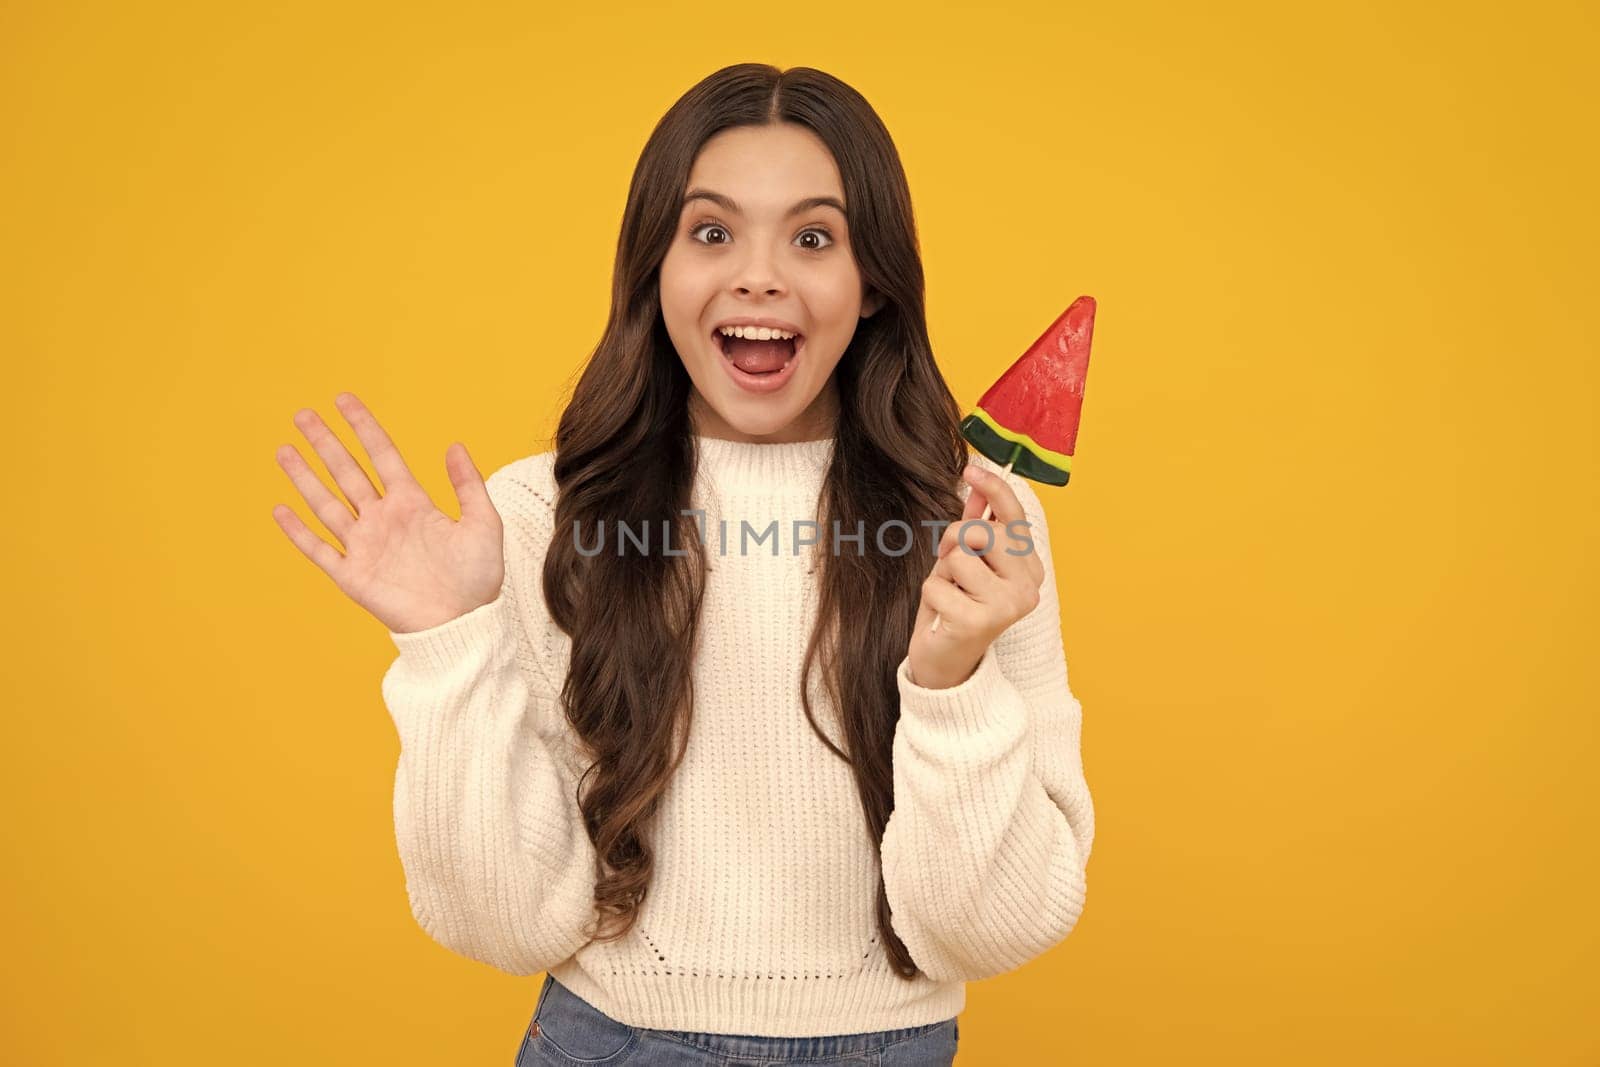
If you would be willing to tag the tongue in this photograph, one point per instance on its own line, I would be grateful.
(759, 357)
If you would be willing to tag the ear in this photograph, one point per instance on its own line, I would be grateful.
(871, 303)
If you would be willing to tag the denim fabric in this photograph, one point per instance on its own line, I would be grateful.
(573, 1033)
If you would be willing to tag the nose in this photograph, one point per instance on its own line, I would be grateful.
(758, 273)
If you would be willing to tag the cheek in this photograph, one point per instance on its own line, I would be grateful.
(835, 294)
(669, 278)
(681, 300)
(688, 275)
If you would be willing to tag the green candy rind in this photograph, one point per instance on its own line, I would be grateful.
(989, 441)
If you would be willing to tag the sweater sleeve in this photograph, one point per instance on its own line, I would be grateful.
(497, 864)
(985, 852)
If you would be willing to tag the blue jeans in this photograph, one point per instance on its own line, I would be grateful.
(568, 1031)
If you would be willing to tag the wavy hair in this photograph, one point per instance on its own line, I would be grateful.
(625, 452)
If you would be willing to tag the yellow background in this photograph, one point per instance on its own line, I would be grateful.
(1327, 557)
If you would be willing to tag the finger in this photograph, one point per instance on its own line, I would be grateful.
(998, 492)
(953, 535)
(347, 473)
(467, 481)
(974, 575)
(333, 512)
(981, 538)
(972, 531)
(1022, 542)
(973, 509)
(925, 611)
(1015, 573)
(1002, 601)
(392, 470)
(976, 502)
(1019, 577)
(953, 606)
(1013, 559)
(314, 548)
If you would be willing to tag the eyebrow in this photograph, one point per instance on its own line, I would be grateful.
(727, 202)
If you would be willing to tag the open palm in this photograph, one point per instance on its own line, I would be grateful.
(406, 562)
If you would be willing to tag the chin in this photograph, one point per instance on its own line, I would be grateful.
(761, 424)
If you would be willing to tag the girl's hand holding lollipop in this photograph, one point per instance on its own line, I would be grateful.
(978, 593)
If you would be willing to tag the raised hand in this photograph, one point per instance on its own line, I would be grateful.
(406, 562)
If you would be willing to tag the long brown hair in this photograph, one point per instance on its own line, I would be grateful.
(625, 453)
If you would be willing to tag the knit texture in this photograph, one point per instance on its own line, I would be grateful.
(760, 915)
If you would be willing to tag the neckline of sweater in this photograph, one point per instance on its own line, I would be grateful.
(765, 464)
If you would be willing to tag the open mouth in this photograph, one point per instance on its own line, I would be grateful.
(760, 367)
(759, 358)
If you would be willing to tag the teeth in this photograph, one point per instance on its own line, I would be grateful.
(755, 333)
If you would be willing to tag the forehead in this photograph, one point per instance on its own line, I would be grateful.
(766, 168)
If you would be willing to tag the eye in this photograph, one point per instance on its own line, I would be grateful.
(706, 226)
(718, 227)
(817, 229)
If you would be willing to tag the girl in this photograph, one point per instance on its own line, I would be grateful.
(723, 784)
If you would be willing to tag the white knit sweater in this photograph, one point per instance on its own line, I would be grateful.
(760, 915)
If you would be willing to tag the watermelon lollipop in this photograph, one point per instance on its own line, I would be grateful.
(1028, 420)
